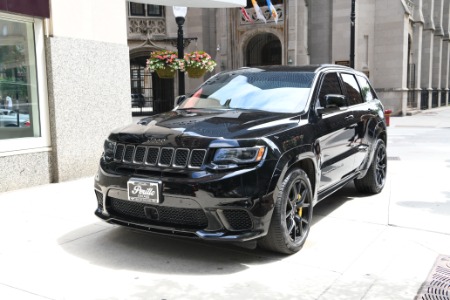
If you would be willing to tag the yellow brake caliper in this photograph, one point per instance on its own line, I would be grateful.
(300, 210)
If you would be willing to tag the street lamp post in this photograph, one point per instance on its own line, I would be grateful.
(180, 15)
(352, 35)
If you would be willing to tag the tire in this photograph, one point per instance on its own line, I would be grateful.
(292, 215)
(374, 180)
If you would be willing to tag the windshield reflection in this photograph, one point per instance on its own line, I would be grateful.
(282, 92)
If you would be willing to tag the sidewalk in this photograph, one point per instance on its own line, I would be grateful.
(378, 247)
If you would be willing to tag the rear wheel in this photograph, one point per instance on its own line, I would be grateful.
(292, 215)
(374, 180)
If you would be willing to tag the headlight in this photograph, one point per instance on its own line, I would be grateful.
(239, 155)
(108, 150)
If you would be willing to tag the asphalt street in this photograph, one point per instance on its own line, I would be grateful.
(360, 247)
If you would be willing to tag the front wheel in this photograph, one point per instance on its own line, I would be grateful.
(374, 180)
(292, 215)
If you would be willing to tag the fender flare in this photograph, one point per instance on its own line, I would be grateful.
(287, 161)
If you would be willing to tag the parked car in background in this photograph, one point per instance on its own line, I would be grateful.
(246, 156)
(137, 100)
(10, 118)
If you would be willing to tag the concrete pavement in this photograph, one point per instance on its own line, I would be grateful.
(360, 247)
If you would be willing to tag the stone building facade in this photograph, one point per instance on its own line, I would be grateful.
(71, 84)
(66, 67)
(402, 45)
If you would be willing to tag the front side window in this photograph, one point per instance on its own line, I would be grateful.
(19, 100)
(330, 86)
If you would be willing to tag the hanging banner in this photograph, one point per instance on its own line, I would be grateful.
(273, 11)
(246, 16)
(258, 11)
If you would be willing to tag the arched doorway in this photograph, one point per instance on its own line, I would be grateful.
(158, 94)
(262, 50)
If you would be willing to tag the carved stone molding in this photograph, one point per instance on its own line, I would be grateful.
(142, 28)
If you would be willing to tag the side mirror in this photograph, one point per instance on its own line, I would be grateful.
(179, 99)
(333, 102)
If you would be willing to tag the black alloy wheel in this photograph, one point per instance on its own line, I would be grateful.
(375, 179)
(292, 215)
(381, 166)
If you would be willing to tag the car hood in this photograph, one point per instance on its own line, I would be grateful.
(205, 124)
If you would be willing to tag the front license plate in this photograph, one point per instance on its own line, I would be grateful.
(143, 191)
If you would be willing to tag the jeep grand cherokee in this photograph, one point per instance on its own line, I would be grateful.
(246, 156)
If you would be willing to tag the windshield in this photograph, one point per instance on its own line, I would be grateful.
(283, 92)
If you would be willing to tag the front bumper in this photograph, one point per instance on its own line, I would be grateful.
(221, 207)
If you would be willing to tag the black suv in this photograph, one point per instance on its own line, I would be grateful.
(246, 156)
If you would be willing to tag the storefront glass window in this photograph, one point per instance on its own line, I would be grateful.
(19, 110)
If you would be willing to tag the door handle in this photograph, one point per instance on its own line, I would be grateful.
(349, 117)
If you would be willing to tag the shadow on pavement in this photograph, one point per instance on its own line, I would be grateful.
(333, 202)
(126, 249)
(121, 248)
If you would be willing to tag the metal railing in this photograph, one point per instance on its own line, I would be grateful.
(435, 98)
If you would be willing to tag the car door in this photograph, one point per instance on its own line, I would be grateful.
(358, 93)
(334, 132)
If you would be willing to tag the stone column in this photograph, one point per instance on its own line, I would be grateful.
(340, 39)
(417, 51)
(320, 31)
(298, 32)
(390, 51)
(446, 51)
(427, 54)
(417, 59)
(437, 51)
(222, 42)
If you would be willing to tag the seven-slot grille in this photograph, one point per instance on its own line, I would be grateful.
(160, 156)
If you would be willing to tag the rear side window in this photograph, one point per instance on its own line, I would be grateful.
(352, 87)
(366, 89)
(330, 85)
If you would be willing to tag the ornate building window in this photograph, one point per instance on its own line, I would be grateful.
(154, 10)
(143, 10)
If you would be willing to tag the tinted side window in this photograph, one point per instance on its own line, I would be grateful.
(330, 85)
(366, 89)
(353, 92)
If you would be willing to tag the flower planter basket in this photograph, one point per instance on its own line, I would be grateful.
(166, 73)
(195, 72)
